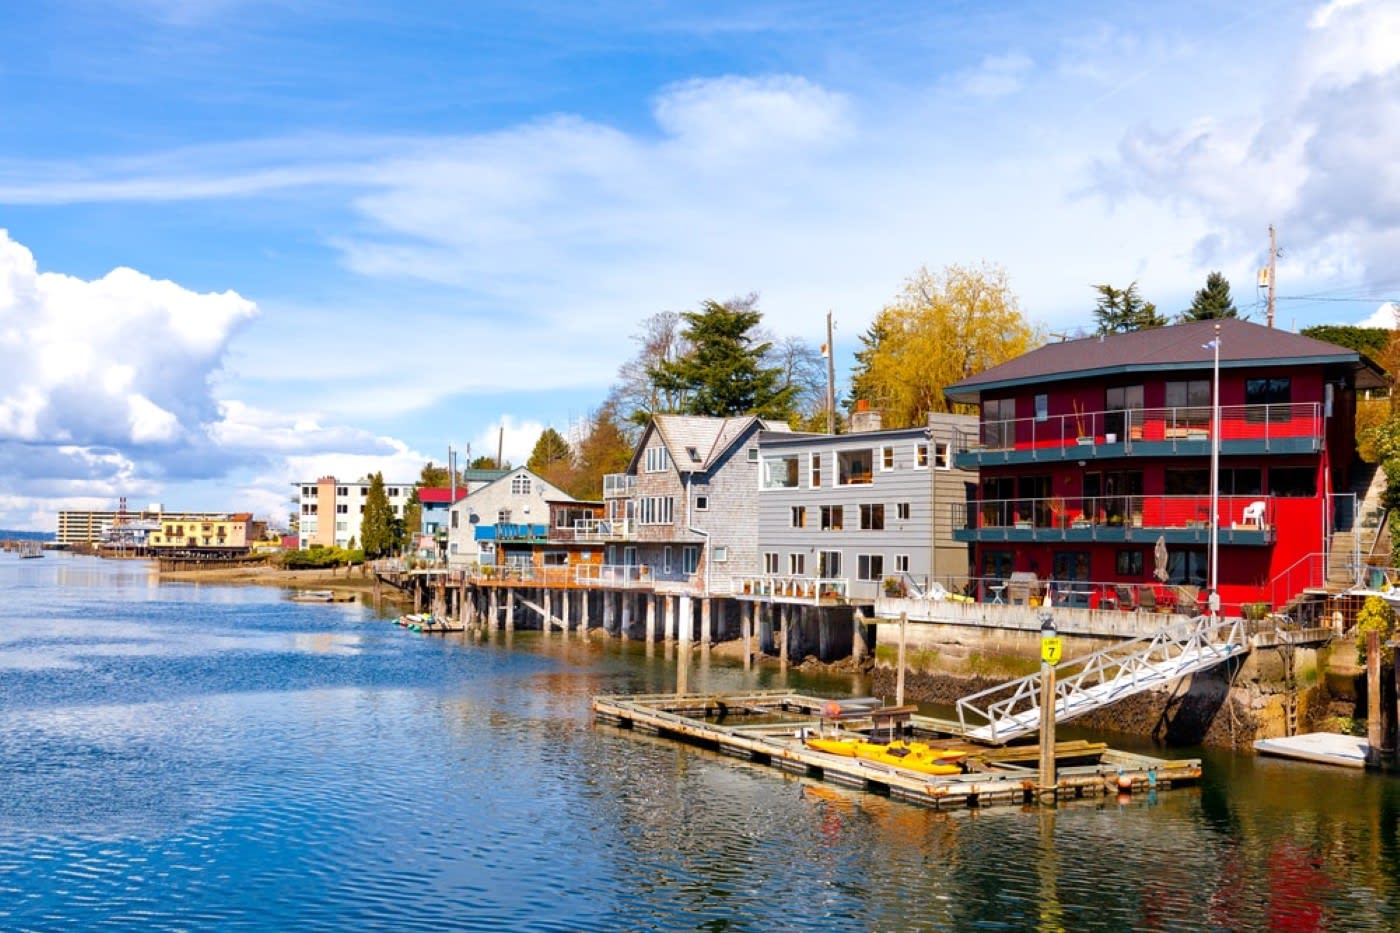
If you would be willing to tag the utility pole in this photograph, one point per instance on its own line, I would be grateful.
(1273, 261)
(830, 379)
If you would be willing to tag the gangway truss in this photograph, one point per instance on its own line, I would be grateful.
(1010, 710)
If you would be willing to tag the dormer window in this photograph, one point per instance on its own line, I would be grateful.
(693, 453)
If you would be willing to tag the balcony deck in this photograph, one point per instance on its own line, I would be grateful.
(1115, 519)
(1144, 433)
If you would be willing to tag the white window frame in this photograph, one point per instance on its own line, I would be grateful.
(797, 564)
(797, 516)
(901, 563)
(702, 503)
(721, 554)
(887, 460)
(814, 470)
(657, 460)
(666, 559)
(943, 455)
(921, 456)
(901, 511)
(824, 568)
(864, 567)
(690, 558)
(770, 563)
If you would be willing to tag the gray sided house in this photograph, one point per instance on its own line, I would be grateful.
(514, 505)
(685, 514)
(853, 511)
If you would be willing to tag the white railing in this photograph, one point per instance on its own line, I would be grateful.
(774, 586)
(1012, 709)
(624, 575)
(602, 529)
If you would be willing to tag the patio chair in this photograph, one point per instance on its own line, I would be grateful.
(1124, 595)
(1147, 599)
(1253, 514)
(1188, 599)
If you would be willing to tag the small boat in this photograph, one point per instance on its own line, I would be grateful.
(916, 756)
(320, 596)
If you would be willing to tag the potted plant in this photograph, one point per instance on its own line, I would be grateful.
(894, 587)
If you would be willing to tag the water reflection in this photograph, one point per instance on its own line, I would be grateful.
(176, 757)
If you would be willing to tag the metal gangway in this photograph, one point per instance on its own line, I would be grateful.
(1010, 710)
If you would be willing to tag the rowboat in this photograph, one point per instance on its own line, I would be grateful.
(916, 756)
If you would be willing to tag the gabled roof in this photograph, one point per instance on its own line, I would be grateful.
(440, 496)
(709, 438)
(1180, 346)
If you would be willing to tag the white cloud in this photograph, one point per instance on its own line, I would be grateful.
(1315, 160)
(995, 76)
(1387, 316)
(120, 361)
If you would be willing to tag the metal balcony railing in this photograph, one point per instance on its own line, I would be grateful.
(1249, 512)
(775, 586)
(602, 529)
(1263, 424)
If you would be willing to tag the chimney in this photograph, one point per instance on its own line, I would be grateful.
(864, 418)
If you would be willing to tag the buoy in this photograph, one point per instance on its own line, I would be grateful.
(1125, 782)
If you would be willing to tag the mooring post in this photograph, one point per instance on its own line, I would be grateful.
(651, 618)
(783, 635)
(685, 621)
(746, 630)
(1375, 733)
(1051, 648)
(899, 672)
(707, 632)
(857, 636)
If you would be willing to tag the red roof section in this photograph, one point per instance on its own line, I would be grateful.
(441, 496)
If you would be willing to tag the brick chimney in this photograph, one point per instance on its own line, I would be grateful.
(865, 418)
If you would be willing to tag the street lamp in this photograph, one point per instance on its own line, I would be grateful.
(1214, 560)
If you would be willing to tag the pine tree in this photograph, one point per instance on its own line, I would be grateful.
(606, 449)
(723, 373)
(1212, 302)
(863, 387)
(1120, 311)
(377, 524)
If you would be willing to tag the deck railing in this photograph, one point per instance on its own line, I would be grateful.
(618, 485)
(602, 529)
(775, 586)
(1248, 512)
(1258, 423)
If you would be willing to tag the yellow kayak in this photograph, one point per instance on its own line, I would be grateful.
(916, 756)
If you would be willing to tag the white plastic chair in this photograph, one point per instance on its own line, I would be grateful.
(1253, 513)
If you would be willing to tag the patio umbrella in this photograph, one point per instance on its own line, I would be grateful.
(1159, 558)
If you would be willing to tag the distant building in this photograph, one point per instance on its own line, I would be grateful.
(226, 534)
(130, 527)
(515, 505)
(330, 510)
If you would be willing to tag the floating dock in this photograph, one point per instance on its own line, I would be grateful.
(768, 727)
(1325, 748)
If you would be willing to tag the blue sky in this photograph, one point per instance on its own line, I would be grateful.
(248, 243)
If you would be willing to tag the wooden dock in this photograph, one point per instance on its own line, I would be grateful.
(766, 727)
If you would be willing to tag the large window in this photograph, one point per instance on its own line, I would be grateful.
(853, 467)
(656, 510)
(832, 517)
(828, 564)
(997, 428)
(870, 567)
(872, 516)
(1121, 404)
(657, 460)
(1191, 399)
(780, 472)
(1298, 482)
(1072, 565)
(520, 485)
(1129, 563)
(1274, 391)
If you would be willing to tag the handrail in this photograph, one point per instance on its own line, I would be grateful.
(1137, 511)
(1083, 684)
(1266, 423)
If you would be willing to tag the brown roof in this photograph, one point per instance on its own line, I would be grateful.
(1180, 346)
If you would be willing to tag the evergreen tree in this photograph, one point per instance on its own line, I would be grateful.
(552, 459)
(1120, 311)
(863, 383)
(377, 524)
(723, 373)
(413, 511)
(1212, 302)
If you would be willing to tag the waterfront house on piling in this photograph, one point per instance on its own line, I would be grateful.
(852, 515)
(514, 504)
(683, 518)
(1090, 451)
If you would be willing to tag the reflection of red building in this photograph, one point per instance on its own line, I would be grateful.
(1092, 450)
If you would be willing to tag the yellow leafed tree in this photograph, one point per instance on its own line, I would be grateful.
(941, 328)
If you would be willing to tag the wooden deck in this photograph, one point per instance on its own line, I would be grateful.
(766, 727)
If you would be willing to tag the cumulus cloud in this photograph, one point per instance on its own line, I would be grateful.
(995, 76)
(1316, 162)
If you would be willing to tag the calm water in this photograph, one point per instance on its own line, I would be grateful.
(178, 757)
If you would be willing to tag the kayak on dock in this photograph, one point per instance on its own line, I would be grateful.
(916, 756)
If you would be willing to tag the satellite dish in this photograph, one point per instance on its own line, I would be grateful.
(473, 518)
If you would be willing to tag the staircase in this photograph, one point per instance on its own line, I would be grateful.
(1357, 528)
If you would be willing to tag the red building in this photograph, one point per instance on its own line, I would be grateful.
(1092, 451)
